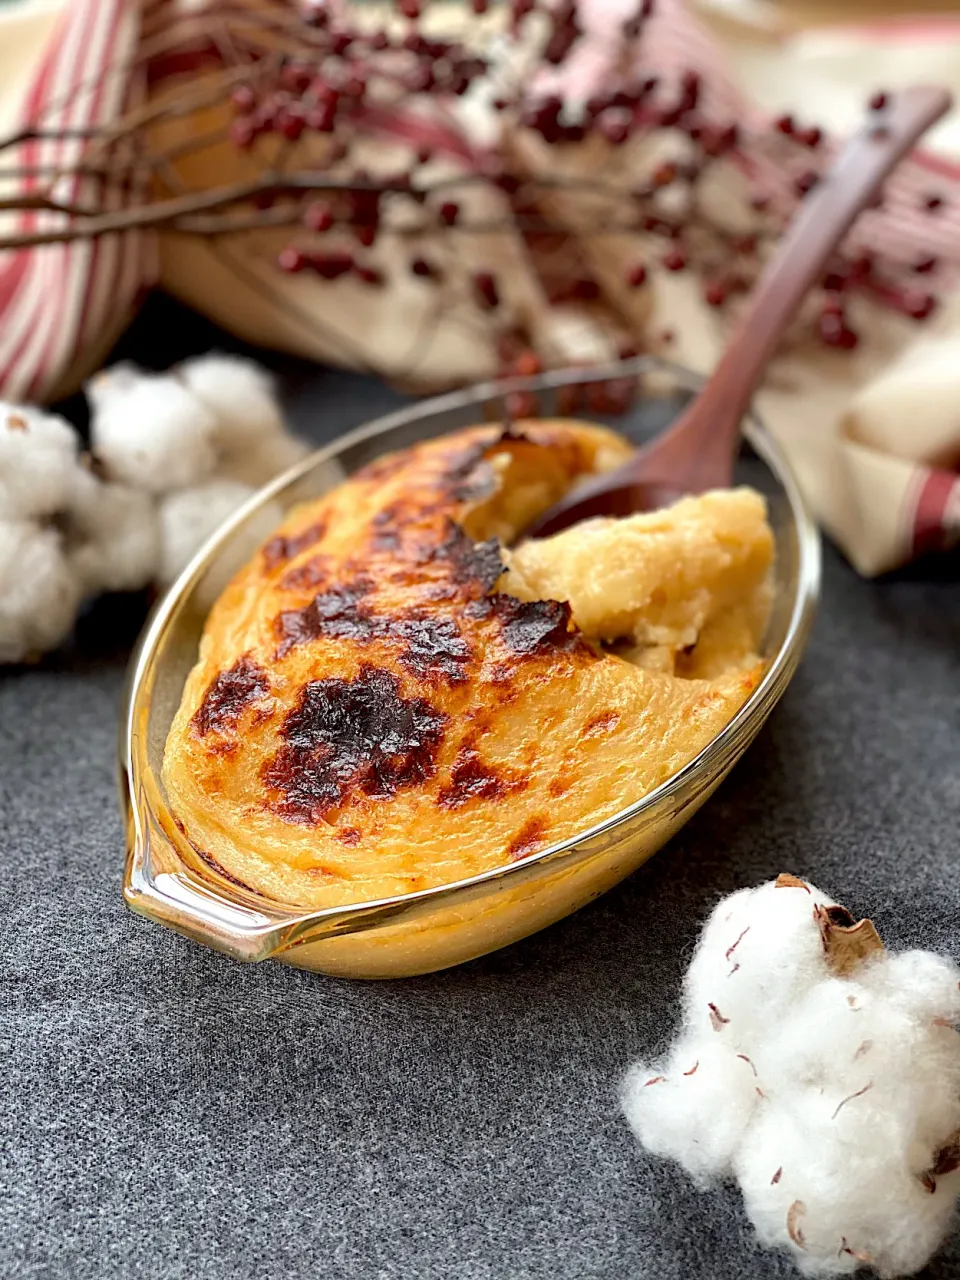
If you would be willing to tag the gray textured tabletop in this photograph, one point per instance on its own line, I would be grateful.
(169, 1113)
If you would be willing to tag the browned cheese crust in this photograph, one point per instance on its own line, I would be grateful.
(372, 714)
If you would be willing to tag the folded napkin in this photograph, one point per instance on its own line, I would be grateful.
(872, 434)
(876, 442)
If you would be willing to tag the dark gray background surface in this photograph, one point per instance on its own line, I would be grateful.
(169, 1113)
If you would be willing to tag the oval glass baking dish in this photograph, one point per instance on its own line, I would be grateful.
(165, 878)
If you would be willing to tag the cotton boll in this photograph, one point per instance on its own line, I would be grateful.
(758, 949)
(114, 536)
(38, 594)
(38, 462)
(867, 1098)
(695, 1108)
(239, 393)
(844, 1153)
(182, 451)
(151, 431)
(250, 435)
(918, 1063)
(187, 519)
(256, 462)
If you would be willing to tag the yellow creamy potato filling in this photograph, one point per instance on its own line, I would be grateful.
(666, 581)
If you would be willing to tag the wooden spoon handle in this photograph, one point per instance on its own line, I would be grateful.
(824, 217)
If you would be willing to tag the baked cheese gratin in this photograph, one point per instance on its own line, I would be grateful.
(391, 696)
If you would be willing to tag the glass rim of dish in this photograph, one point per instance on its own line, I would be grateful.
(777, 672)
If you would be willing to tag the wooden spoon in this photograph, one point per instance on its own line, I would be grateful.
(698, 451)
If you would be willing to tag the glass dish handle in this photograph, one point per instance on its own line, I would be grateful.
(186, 904)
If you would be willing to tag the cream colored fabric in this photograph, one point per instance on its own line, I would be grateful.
(856, 429)
(25, 27)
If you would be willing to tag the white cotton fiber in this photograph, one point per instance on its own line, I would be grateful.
(841, 1144)
(252, 442)
(847, 1202)
(756, 952)
(38, 594)
(151, 431)
(189, 517)
(114, 536)
(240, 395)
(926, 983)
(694, 1108)
(38, 458)
(180, 451)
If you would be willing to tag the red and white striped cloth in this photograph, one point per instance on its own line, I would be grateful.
(59, 302)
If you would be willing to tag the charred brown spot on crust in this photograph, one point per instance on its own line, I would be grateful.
(314, 573)
(338, 612)
(385, 530)
(602, 722)
(434, 647)
(459, 472)
(350, 835)
(228, 694)
(529, 627)
(536, 626)
(509, 434)
(558, 786)
(349, 737)
(261, 715)
(437, 554)
(528, 839)
(479, 610)
(472, 779)
(467, 475)
(285, 546)
(474, 566)
(431, 646)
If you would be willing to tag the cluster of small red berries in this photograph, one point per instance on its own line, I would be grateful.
(329, 264)
(341, 72)
(327, 85)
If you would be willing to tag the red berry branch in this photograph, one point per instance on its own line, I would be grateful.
(312, 91)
